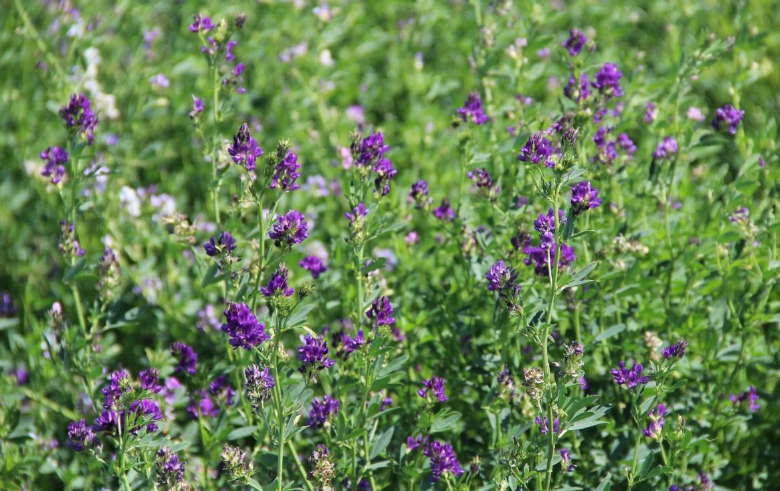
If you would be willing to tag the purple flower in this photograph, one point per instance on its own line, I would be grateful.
(258, 383)
(321, 410)
(285, 173)
(544, 425)
(540, 258)
(381, 311)
(675, 351)
(197, 106)
(69, 244)
(229, 56)
(384, 171)
(160, 81)
(626, 144)
(537, 150)
(436, 385)
(751, 396)
(357, 213)
(370, 150)
(7, 308)
(170, 470)
(119, 384)
(314, 265)
(201, 405)
(472, 110)
(219, 386)
(484, 182)
(608, 81)
(201, 23)
(56, 158)
(650, 112)
(386, 403)
(576, 41)
(226, 244)
(419, 194)
(188, 359)
(289, 229)
(413, 443)
(244, 328)
(566, 458)
(695, 114)
(656, 423)
(245, 149)
(632, 377)
(145, 408)
(277, 285)
(149, 380)
(107, 420)
(350, 345)
(81, 436)
(313, 353)
(502, 278)
(577, 90)
(584, 197)
(666, 148)
(443, 459)
(78, 116)
(545, 224)
(445, 211)
(729, 116)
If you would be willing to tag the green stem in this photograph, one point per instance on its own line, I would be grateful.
(299, 465)
(636, 459)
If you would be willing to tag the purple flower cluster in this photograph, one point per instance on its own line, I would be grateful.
(632, 377)
(656, 424)
(675, 351)
(502, 278)
(289, 229)
(381, 312)
(435, 385)
(443, 459)
(78, 116)
(314, 265)
(7, 308)
(313, 353)
(370, 152)
(419, 194)
(286, 172)
(170, 470)
(188, 359)
(484, 182)
(445, 211)
(544, 425)
(201, 23)
(576, 41)
(729, 116)
(220, 386)
(608, 81)
(81, 435)
(56, 158)
(751, 397)
(149, 380)
(244, 328)
(608, 149)
(226, 244)
(259, 383)
(577, 90)
(357, 213)
(537, 150)
(201, 404)
(650, 112)
(321, 410)
(665, 148)
(472, 110)
(277, 285)
(584, 197)
(245, 149)
(350, 345)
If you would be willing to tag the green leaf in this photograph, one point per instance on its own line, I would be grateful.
(254, 484)
(74, 270)
(646, 466)
(441, 424)
(381, 443)
(211, 276)
(373, 265)
(239, 433)
(611, 332)
(606, 484)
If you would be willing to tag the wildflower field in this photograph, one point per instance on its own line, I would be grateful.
(389, 245)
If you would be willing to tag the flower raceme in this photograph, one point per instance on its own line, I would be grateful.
(630, 377)
(435, 386)
(243, 327)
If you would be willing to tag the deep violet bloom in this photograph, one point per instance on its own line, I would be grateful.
(7, 308)
(419, 194)
(81, 436)
(443, 459)
(188, 359)
(577, 90)
(729, 116)
(445, 211)
(384, 171)
(244, 328)
(277, 285)
(357, 213)
(170, 470)
(145, 408)
(502, 278)
(78, 116)
(149, 380)
(197, 106)
(289, 229)
(226, 244)
(608, 81)
(650, 112)
(751, 396)
(119, 384)
(675, 351)
(56, 158)
(314, 265)
(201, 23)
(371, 150)
(544, 425)
(626, 144)
(472, 110)
(381, 311)
(666, 148)
(656, 424)
(540, 257)
(435, 385)
(576, 41)
(537, 150)
(245, 149)
(386, 403)
(632, 377)
(584, 197)
(350, 344)
(482, 179)
(313, 353)
(201, 404)
(545, 223)
(413, 443)
(229, 55)
(286, 172)
(258, 383)
(321, 410)
(220, 386)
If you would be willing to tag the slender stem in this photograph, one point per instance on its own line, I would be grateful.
(261, 266)
(205, 450)
(636, 459)
(553, 268)
(39, 41)
(299, 465)
(79, 309)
